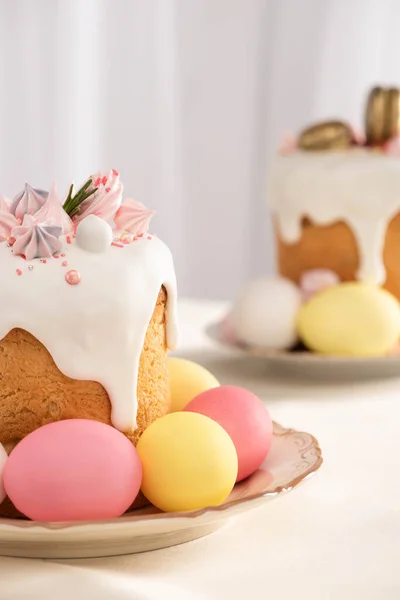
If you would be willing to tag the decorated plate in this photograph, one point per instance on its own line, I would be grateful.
(309, 364)
(293, 457)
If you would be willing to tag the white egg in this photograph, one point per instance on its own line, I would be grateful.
(265, 313)
(93, 234)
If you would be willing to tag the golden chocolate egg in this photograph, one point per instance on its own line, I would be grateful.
(382, 115)
(328, 135)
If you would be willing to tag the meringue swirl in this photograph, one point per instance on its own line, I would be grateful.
(53, 213)
(7, 223)
(36, 240)
(27, 202)
(134, 217)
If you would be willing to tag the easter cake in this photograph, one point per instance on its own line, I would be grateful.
(334, 195)
(88, 310)
(335, 198)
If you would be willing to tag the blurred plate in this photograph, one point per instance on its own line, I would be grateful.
(310, 364)
(293, 457)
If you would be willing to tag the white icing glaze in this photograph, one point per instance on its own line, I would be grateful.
(94, 330)
(360, 187)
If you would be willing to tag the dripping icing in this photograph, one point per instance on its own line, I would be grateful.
(95, 330)
(361, 188)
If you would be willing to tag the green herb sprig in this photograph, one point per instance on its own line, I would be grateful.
(73, 201)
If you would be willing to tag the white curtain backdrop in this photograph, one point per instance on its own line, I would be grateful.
(187, 99)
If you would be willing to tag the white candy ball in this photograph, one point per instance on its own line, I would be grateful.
(265, 313)
(93, 234)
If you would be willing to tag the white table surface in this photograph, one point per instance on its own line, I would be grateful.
(337, 537)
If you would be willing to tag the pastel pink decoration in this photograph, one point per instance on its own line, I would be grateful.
(316, 280)
(53, 213)
(72, 277)
(358, 136)
(7, 223)
(27, 202)
(227, 330)
(244, 417)
(392, 147)
(36, 240)
(133, 217)
(73, 470)
(106, 200)
(288, 143)
(125, 238)
(4, 204)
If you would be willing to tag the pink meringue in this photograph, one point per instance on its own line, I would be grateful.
(7, 223)
(392, 146)
(27, 202)
(134, 217)
(106, 200)
(288, 143)
(227, 330)
(4, 204)
(36, 240)
(53, 213)
(317, 280)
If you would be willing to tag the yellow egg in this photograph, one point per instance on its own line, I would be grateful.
(189, 462)
(350, 319)
(188, 380)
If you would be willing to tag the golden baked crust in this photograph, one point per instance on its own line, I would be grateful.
(334, 247)
(33, 391)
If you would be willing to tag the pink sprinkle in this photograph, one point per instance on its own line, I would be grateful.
(72, 277)
(104, 180)
(56, 256)
(97, 182)
(44, 261)
(64, 263)
(19, 272)
(63, 255)
(115, 172)
(11, 241)
(140, 235)
(68, 239)
(149, 237)
(125, 238)
(117, 245)
(108, 189)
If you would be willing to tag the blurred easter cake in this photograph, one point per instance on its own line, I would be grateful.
(334, 195)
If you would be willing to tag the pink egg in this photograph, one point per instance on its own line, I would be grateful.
(244, 417)
(73, 470)
(3, 459)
